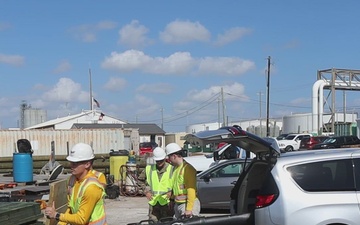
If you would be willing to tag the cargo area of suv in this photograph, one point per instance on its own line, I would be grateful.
(288, 188)
(295, 188)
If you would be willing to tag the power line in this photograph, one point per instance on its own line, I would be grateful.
(187, 112)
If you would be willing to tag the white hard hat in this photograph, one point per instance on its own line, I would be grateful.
(159, 154)
(172, 148)
(81, 152)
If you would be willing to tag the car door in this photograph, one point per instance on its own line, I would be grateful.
(215, 184)
(298, 141)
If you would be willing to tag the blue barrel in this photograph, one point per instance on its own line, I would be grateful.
(22, 167)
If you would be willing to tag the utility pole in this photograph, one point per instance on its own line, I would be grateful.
(268, 97)
(260, 93)
(91, 97)
(219, 120)
(162, 118)
(223, 107)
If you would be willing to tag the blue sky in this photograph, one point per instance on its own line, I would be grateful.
(166, 61)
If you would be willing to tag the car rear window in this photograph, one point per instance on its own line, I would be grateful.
(335, 175)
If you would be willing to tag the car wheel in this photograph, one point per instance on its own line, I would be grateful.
(289, 148)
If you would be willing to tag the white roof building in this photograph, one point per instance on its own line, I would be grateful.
(86, 116)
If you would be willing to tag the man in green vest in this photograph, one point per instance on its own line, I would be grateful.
(158, 188)
(184, 188)
(86, 193)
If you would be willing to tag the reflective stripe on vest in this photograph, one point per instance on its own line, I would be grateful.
(159, 188)
(180, 191)
(96, 173)
(98, 215)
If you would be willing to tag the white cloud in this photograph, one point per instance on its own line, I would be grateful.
(14, 60)
(232, 92)
(133, 35)
(231, 35)
(88, 32)
(66, 90)
(159, 88)
(184, 31)
(179, 63)
(225, 65)
(105, 25)
(145, 106)
(301, 101)
(115, 84)
(64, 66)
(203, 105)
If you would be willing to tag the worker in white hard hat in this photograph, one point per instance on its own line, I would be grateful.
(184, 189)
(158, 189)
(86, 193)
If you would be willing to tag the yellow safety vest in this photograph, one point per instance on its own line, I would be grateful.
(159, 188)
(98, 215)
(179, 189)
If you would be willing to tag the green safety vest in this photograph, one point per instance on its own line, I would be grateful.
(98, 215)
(159, 188)
(179, 189)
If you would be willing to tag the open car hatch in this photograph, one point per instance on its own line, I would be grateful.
(236, 136)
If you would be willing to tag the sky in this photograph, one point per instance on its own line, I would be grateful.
(172, 63)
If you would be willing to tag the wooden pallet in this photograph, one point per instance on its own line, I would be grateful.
(19, 213)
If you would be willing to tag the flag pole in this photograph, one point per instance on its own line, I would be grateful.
(91, 96)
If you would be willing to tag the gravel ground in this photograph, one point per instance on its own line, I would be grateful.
(124, 210)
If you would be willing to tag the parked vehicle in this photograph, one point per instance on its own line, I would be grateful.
(292, 142)
(146, 147)
(281, 137)
(214, 184)
(307, 143)
(303, 187)
(338, 142)
(224, 152)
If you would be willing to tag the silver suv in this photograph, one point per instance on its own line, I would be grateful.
(294, 188)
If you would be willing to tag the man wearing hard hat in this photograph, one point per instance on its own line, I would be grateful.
(184, 189)
(86, 193)
(158, 188)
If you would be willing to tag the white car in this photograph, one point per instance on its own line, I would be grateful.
(225, 152)
(292, 142)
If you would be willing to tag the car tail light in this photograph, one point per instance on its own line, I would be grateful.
(264, 200)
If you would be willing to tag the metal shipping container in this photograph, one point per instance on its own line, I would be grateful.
(102, 140)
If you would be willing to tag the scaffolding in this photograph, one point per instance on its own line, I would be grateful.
(337, 79)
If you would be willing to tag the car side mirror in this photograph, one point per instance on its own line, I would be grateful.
(207, 177)
(216, 156)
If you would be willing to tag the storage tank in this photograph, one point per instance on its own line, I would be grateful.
(118, 159)
(22, 167)
(297, 123)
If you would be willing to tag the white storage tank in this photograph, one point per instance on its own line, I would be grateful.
(297, 123)
(302, 123)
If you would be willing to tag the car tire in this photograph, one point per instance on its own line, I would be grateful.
(289, 148)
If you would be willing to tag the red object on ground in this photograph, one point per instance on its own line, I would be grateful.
(147, 147)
